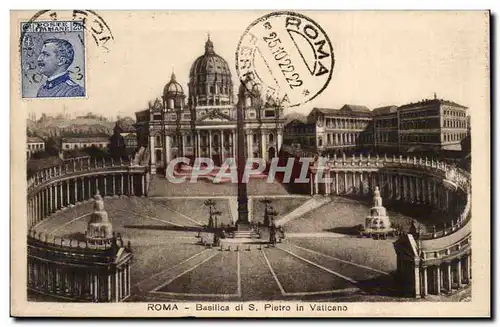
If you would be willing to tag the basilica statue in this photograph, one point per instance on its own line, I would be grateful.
(377, 199)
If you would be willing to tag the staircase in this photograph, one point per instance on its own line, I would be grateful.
(311, 204)
(245, 234)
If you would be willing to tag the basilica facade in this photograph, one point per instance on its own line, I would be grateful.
(203, 122)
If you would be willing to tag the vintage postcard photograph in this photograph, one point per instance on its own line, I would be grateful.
(250, 163)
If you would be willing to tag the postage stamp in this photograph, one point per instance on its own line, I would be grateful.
(286, 57)
(250, 164)
(53, 59)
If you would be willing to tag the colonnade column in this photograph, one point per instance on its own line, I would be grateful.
(438, 280)
(425, 291)
(75, 181)
(67, 193)
(61, 197)
(448, 275)
(459, 272)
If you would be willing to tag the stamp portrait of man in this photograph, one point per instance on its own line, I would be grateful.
(54, 60)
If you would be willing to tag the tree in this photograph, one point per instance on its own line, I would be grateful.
(53, 146)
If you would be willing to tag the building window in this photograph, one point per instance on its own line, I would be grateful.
(271, 138)
(254, 138)
(158, 139)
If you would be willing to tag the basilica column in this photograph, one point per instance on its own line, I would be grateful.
(210, 143)
(233, 140)
(168, 152)
(222, 148)
(263, 145)
(280, 141)
(183, 137)
(198, 144)
(249, 145)
(152, 154)
(337, 183)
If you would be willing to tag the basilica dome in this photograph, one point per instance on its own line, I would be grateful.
(172, 88)
(210, 81)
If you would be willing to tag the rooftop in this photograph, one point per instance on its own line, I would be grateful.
(85, 139)
(35, 139)
(431, 101)
(385, 110)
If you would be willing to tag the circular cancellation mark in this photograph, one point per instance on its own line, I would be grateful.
(286, 58)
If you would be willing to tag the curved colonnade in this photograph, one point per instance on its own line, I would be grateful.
(73, 269)
(433, 261)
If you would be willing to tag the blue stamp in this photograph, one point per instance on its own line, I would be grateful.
(53, 59)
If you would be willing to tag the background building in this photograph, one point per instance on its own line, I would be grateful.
(80, 142)
(34, 144)
(385, 124)
(433, 125)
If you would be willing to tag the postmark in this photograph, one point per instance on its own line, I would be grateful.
(285, 57)
(52, 52)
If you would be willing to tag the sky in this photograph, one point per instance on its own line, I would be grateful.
(381, 58)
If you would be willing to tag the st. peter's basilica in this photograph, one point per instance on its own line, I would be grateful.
(205, 124)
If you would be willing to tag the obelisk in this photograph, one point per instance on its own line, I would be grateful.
(242, 222)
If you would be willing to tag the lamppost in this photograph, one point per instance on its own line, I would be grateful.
(213, 213)
(266, 203)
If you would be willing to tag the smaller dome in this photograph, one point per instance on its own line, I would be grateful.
(172, 88)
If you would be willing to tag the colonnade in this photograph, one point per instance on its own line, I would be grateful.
(444, 277)
(394, 185)
(85, 280)
(70, 270)
(63, 192)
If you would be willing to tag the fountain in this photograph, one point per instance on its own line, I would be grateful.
(377, 223)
